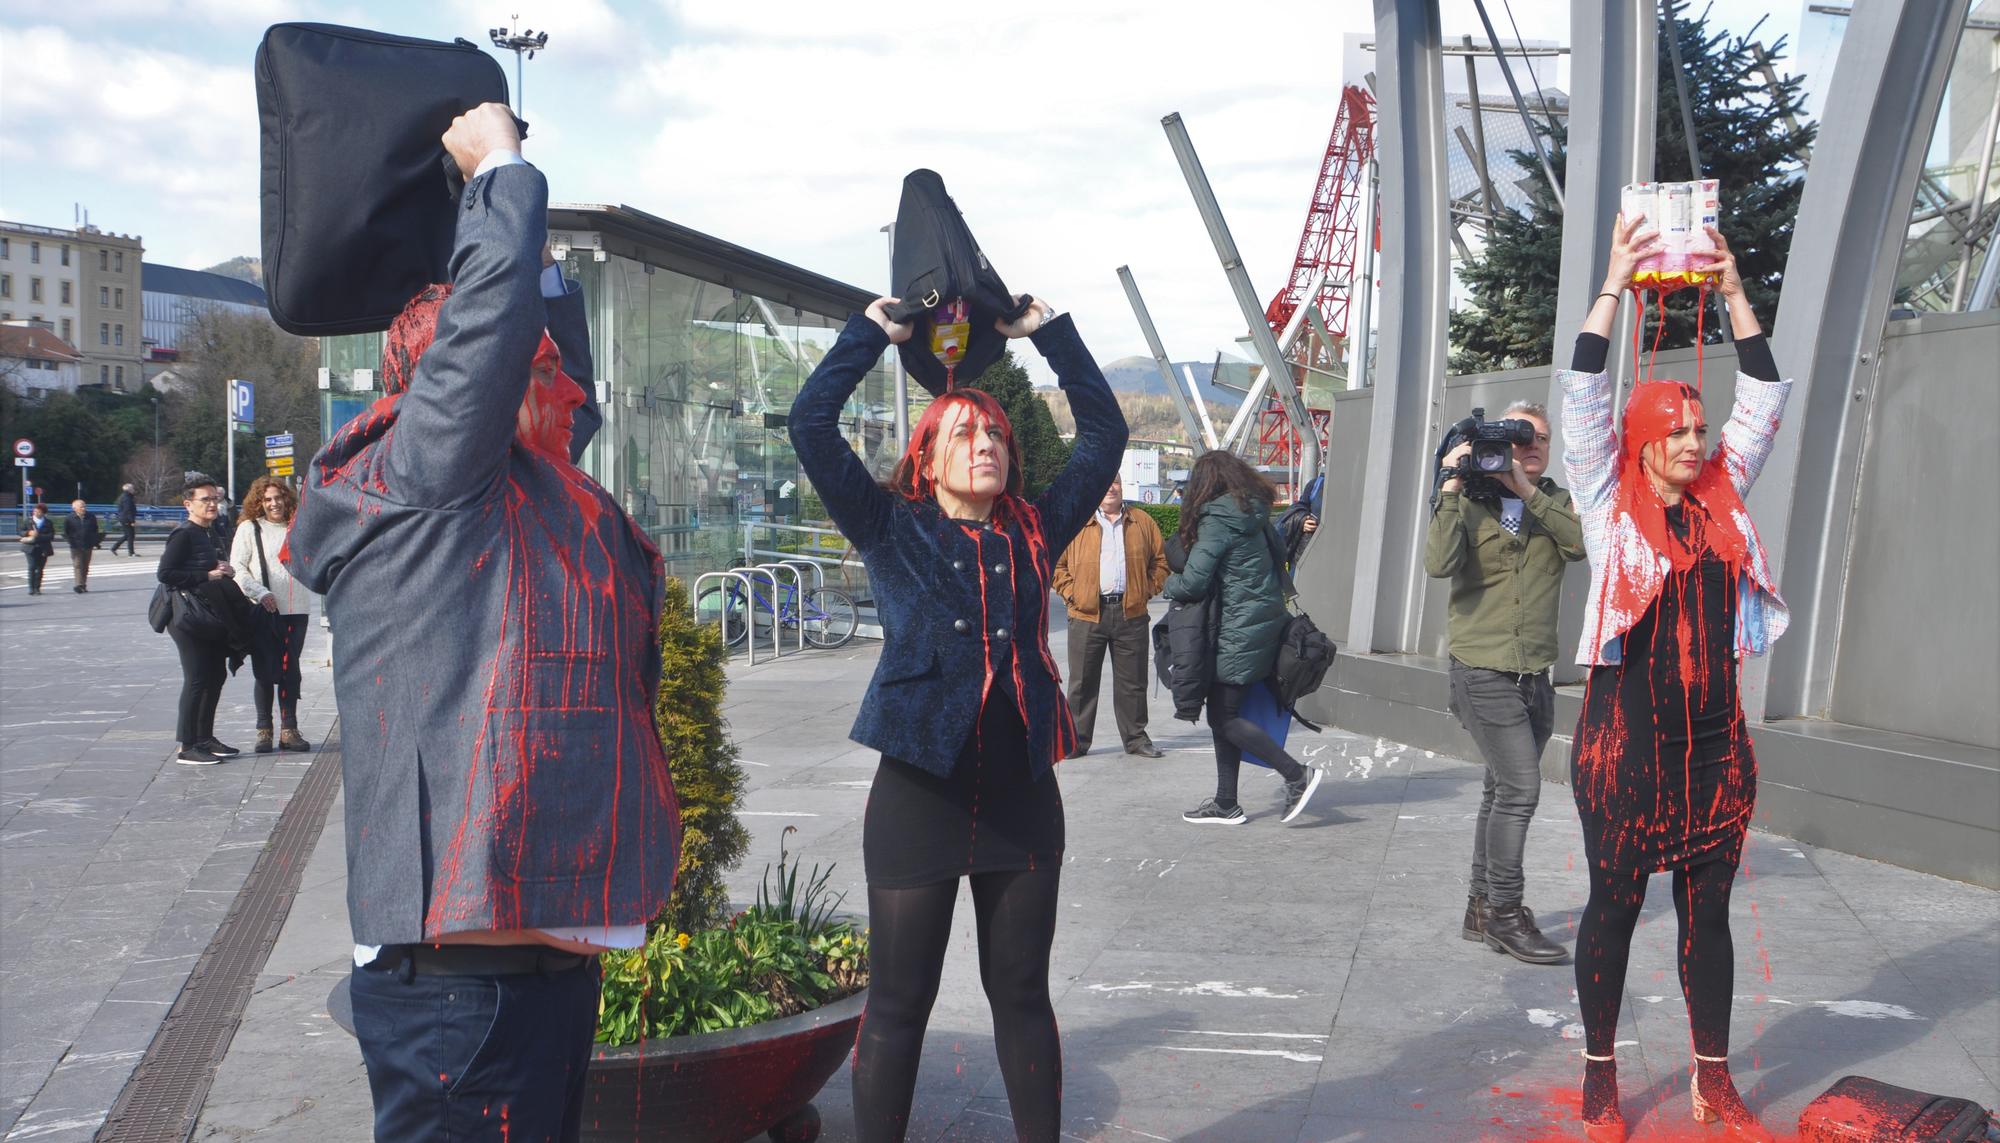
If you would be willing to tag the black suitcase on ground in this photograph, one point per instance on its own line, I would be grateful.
(936, 259)
(1861, 1110)
(358, 212)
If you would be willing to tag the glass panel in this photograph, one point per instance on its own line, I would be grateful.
(1945, 259)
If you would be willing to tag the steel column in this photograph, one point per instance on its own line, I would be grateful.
(1416, 229)
(1166, 367)
(1853, 221)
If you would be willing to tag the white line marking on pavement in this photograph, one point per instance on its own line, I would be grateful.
(1294, 1057)
(1221, 988)
(1262, 1035)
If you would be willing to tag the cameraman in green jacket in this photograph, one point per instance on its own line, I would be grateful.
(1503, 546)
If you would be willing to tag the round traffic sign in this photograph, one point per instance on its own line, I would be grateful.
(24, 447)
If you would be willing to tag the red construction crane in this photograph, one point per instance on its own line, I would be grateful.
(1327, 245)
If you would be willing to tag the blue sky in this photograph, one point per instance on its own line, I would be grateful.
(782, 125)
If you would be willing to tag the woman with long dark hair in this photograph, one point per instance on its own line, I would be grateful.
(268, 583)
(1680, 590)
(966, 704)
(1233, 554)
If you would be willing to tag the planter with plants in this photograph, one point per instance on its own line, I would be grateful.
(723, 1026)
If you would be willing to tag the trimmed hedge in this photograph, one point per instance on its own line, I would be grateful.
(1167, 516)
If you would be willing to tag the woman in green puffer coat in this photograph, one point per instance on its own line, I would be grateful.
(1226, 530)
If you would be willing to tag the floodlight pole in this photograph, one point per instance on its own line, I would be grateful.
(524, 44)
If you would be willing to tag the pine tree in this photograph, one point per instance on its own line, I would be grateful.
(1043, 451)
(1743, 127)
(708, 780)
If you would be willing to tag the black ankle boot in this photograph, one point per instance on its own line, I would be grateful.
(1474, 928)
(1511, 930)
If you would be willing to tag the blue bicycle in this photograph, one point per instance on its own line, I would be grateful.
(828, 616)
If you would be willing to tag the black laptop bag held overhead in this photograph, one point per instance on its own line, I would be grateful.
(358, 210)
(936, 260)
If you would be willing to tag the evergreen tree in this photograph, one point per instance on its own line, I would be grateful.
(708, 780)
(1743, 128)
(1043, 451)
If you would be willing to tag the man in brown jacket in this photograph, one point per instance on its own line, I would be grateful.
(1106, 575)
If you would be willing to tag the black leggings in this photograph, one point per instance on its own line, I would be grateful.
(1707, 954)
(204, 666)
(909, 930)
(279, 671)
(1235, 734)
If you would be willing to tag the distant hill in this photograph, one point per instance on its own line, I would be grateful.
(1140, 376)
(242, 267)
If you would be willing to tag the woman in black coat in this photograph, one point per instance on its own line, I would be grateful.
(192, 562)
(966, 705)
(1233, 559)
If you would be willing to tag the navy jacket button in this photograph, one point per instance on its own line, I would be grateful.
(999, 569)
(958, 565)
(961, 626)
(999, 632)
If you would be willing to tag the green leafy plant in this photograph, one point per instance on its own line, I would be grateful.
(1167, 516)
(708, 779)
(784, 955)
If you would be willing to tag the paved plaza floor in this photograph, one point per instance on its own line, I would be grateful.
(1299, 982)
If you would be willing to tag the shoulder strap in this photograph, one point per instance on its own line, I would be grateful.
(263, 564)
(1279, 560)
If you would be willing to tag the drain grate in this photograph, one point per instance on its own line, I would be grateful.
(163, 1099)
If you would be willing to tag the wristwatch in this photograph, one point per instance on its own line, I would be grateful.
(1049, 314)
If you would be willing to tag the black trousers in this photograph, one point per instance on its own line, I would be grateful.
(464, 1058)
(204, 667)
(130, 540)
(1125, 638)
(36, 562)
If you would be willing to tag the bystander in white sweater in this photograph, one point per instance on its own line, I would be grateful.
(293, 598)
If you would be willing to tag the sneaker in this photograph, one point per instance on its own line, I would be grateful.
(216, 746)
(1211, 812)
(196, 756)
(1298, 793)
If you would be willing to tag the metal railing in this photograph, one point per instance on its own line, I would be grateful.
(694, 607)
(777, 599)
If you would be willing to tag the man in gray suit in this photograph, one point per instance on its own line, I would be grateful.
(509, 808)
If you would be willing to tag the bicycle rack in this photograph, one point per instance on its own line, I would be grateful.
(819, 573)
(799, 594)
(749, 601)
(777, 648)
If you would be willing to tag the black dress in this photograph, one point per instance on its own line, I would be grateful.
(1662, 765)
(991, 815)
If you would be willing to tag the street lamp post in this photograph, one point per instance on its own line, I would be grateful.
(524, 44)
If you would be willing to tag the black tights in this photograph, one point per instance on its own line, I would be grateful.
(1235, 734)
(1707, 955)
(909, 930)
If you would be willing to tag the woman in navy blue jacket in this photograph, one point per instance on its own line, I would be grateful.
(966, 705)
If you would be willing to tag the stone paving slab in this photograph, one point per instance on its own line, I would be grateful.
(116, 864)
(1301, 983)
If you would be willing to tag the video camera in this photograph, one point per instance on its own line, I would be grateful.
(1491, 455)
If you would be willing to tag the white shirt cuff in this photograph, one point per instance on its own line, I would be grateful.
(495, 159)
(553, 285)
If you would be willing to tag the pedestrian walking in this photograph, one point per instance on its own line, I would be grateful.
(127, 515)
(1503, 542)
(83, 534)
(1106, 576)
(38, 543)
(279, 635)
(191, 563)
(1680, 590)
(965, 706)
(1234, 556)
(510, 809)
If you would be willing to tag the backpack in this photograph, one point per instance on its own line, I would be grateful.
(936, 260)
(1304, 656)
(358, 200)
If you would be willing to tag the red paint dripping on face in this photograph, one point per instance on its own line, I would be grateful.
(543, 422)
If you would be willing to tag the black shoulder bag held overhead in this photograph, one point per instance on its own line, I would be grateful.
(359, 199)
(947, 288)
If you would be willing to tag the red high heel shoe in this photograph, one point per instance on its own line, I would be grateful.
(1727, 1108)
(1611, 1127)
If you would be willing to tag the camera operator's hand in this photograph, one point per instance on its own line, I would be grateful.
(478, 133)
(1519, 482)
(898, 331)
(1629, 244)
(1451, 460)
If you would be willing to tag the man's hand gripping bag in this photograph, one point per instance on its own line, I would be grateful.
(359, 198)
(949, 291)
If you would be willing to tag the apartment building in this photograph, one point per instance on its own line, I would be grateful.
(40, 278)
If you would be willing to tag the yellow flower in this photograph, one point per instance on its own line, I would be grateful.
(682, 940)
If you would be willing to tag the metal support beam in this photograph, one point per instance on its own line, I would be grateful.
(1416, 229)
(1477, 146)
(1978, 202)
(1200, 407)
(1246, 296)
(1165, 367)
(1362, 311)
(1853, 221)
(1521, 105)
(1613, 80)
